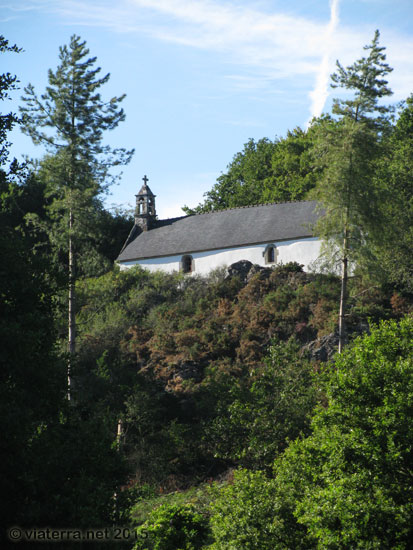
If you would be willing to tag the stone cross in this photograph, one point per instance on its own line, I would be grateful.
(145, 179)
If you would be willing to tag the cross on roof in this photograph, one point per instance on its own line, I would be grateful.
(145, 179)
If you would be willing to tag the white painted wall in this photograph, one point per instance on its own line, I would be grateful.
(303, 251)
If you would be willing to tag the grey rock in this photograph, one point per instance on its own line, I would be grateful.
(322, 349)
(244, 269)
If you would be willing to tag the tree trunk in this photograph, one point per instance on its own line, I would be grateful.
(72, 321)
(343, 295)
(119, 433)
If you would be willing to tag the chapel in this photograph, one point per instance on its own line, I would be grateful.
(266, 234)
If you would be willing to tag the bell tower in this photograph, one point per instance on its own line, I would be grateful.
(145, 212)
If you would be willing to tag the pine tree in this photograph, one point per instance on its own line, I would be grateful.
(69, 119)
(347, 149)
(8, 82)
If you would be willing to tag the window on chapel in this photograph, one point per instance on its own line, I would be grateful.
(270, 254)
(187, 264)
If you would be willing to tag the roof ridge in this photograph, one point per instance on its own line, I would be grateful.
(174, 218)
(248, 206)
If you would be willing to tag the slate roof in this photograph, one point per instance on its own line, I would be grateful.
(222, 229)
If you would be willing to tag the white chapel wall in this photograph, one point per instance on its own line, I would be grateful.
(303, 251)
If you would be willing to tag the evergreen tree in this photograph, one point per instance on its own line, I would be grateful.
(69, 119)
(8, 82)
(347, 149)
(30, 373)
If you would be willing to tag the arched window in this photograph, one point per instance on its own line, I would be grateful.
(270, 254)
(187, 264)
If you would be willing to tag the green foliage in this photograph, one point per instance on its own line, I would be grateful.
(77, 116)
(112, 230)
(76, 471)
(276, 406)
(188, 364)
(349, 484)
(366, 78)
(238, 187)
(263, 172)
(198, 498)
(184, 362)
(8, 82)
(347, 148)
(350, 201)
(32, 376)
(172, 526)
(395, 175)
(70, 119)
(363, 477)
(48, 451)
(249, 515)
(31, 386)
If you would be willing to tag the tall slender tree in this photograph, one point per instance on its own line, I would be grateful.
(69, 119)
(347, 148)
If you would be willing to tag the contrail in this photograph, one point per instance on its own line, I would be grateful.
(320, 93)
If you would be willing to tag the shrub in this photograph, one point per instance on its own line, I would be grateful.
(172, 526)
(349, 484)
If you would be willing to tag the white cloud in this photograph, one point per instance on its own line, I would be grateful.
(271, 46)
(320, 93)
(280, 44)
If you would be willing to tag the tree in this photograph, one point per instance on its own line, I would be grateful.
(265, 171)
(360, 491)
(276, 406)
(69, 119)
(29, 395)
(347, 149)
(293, 174)
(395, 174)
(8, 82)
(173, 526)
(31, 381)
(243, 514)
(240, 185)
(349, 484)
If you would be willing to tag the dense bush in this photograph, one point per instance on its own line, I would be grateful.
(172, 526)
(262, 413)
(349, 484)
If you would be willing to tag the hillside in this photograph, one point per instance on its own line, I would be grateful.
(176, 327)
(212, 374)
(186, 335)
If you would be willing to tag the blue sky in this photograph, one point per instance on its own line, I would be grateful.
(204, 76)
